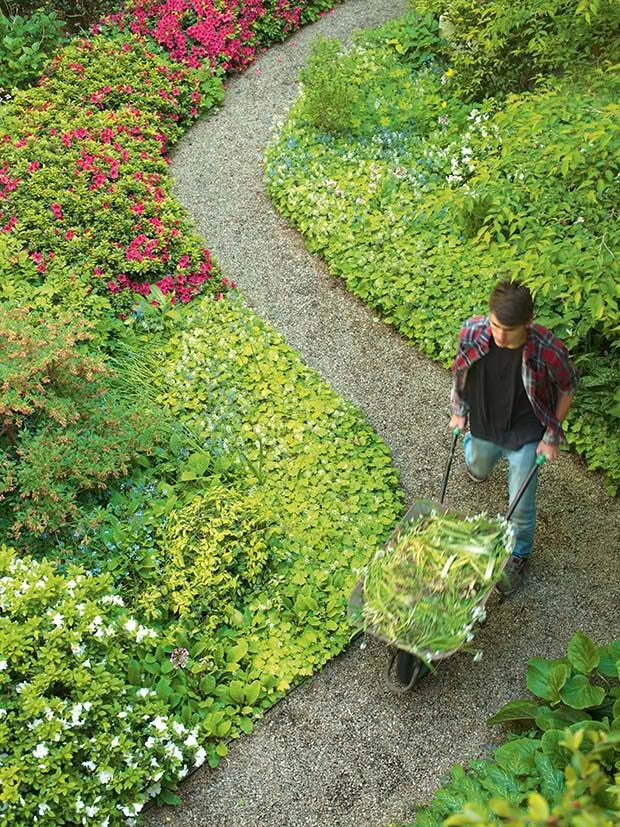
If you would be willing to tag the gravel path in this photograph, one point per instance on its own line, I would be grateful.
(341, 750)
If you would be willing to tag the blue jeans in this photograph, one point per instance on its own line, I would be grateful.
(481, 456)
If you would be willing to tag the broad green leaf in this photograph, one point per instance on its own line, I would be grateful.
(579, 693)
(134, 672)
(237, 652)
(609, 664)
(162, 687)
(207, 685)
(538, 670)
(551, 779)
(246, 724)
(583, 653)
(502, 784)
(168, 797)
(236, 691)
(252, 691)
(518, 756)
(556, 679)
(222, 750)
(551, 747)
(558, 718)
(522, 710)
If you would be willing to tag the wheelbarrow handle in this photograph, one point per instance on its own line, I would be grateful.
(444, 484)
(540, 459)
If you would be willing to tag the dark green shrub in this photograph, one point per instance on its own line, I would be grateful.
(26, 43)
(76, 14)
(329, 94)
(501, 46)
(64, 429)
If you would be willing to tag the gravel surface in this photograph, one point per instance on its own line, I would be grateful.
(342, 750)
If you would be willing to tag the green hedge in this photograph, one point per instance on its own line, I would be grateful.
(422, 209)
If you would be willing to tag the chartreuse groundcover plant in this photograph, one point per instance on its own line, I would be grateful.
(212, 579)
(420, 197)
(564, 769)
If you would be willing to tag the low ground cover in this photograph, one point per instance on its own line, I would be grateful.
(420, 197)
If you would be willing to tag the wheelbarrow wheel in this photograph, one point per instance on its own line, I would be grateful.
(406, 663)
(408, 668)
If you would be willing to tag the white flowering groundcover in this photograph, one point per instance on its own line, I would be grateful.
(89, 750)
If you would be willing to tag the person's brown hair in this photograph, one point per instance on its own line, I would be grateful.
(511, 303)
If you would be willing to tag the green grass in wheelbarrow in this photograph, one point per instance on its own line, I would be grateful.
(423, 590)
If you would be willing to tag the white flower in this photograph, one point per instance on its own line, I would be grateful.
(41, 750)
(90, 765)
(200, 756)
(86, 663)
(3, 665)
(160, 724)
(105, 776)
(92, 811)
(191, 741)
(71, 584)
(3, 713)
(142, 693)
(150, 742)
(131, 625)
(43, 808)
(153, 790)
(79, 805)
(21, 686)
(115, 741)
(178, 727)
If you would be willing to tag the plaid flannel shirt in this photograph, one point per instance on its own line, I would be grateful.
(546, 371)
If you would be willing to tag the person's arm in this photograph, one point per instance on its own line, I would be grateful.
(550, 443)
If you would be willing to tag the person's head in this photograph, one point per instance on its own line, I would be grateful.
(511, 309)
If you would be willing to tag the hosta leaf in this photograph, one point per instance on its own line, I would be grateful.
(538, 670)
(515, 711)
(579, 693)
(517, 756)
(583, 653)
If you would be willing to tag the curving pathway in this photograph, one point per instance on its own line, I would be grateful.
(341, 750)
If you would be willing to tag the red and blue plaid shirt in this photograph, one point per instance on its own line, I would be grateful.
(546, 370)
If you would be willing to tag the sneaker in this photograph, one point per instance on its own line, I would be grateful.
(473, 476)
(513, 575)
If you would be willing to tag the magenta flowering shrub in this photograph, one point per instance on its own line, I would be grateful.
(195, 32)
(84, 191)
(89, 184)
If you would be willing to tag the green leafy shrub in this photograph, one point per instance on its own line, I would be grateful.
(80, 743)
(419, 210)
(500, 47)
(330, 96)
(216, 546)
(63, 432)
(564, 761)
(26, 44)
(589, 798)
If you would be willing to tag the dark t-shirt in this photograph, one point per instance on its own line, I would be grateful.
(499, 408)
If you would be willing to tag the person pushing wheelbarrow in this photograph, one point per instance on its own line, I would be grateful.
(513, 380)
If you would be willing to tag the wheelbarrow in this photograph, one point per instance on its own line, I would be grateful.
(411, 666)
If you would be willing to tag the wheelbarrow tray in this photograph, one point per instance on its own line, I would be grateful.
(418, 509)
